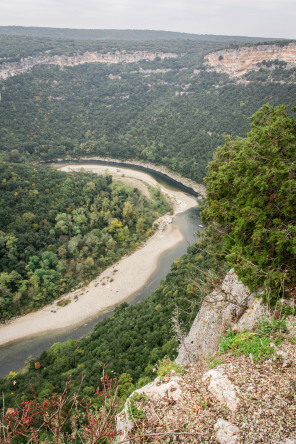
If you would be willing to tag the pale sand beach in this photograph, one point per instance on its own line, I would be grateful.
(118, 282)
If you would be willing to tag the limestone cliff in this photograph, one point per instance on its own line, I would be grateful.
(239, 61)
(26, 64)
(225, 307)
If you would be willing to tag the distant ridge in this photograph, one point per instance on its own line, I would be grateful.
(116, 34)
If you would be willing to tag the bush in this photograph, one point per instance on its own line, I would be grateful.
(251, 200)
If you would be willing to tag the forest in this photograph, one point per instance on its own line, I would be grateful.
(172, 111)
(130, 342)
(61, 229)
(58, 230)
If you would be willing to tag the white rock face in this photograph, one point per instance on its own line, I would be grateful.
(222, 388)
(124, 425)
(220, 310)
(227, 433)
(237, 62)
(9, 69)
(155, 391)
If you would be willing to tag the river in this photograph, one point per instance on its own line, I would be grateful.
(14, 355)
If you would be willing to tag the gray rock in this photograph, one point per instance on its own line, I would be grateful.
(222, 388)
(219, 311)
(158, 390)
(154, 391)
(124, 425)
(256, 310)
(227, 433)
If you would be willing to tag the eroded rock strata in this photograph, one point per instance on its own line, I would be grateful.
(239, 61)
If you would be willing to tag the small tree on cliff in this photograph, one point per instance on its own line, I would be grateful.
(251, 203)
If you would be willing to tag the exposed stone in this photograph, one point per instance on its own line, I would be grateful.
(237, 62)
(9, 69)
(222, 388)
(124, 425)
(251, 316)
(155, 391)
(220, 310)
(227, 433)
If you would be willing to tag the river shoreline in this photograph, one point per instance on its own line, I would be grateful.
(196, 187)
(117, 283)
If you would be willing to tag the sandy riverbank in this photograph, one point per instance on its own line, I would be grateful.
(118, 282)
(197, 187)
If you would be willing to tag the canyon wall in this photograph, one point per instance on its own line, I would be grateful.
(26, 64)
(239, 61)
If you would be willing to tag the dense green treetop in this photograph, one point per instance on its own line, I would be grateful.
(251, 202)
(58, 229)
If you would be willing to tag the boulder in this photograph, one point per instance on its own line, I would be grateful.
(227, 433)
(155, 391)
(222, 388)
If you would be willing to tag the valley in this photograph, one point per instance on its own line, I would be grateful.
(100, 265)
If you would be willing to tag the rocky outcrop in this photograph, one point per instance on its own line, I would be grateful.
(227, 433)
(220, 310)
(239, 61)
(26, 64)
(155, 392)
(235, 402)
(256, 310)
(222, 388)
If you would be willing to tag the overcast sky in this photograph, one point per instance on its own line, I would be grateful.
(264, 18)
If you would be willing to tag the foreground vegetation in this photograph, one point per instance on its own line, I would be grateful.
(61, 229)
(251, 201)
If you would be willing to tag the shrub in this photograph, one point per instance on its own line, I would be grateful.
(251, 202)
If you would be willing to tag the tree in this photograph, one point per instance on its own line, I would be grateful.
(251, 201)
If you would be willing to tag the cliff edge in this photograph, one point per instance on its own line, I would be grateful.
(220, 396)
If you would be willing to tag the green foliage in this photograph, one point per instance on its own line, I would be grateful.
(64, 228)
(134, 411)
(259, 344)
(125, 385)
(169, 111)
(283, 309)
(132, 340)
(166, 366)
(271, 327)
(115, 34)
(213, 363)
(59, 229)
(247, 343)
(251, 203)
